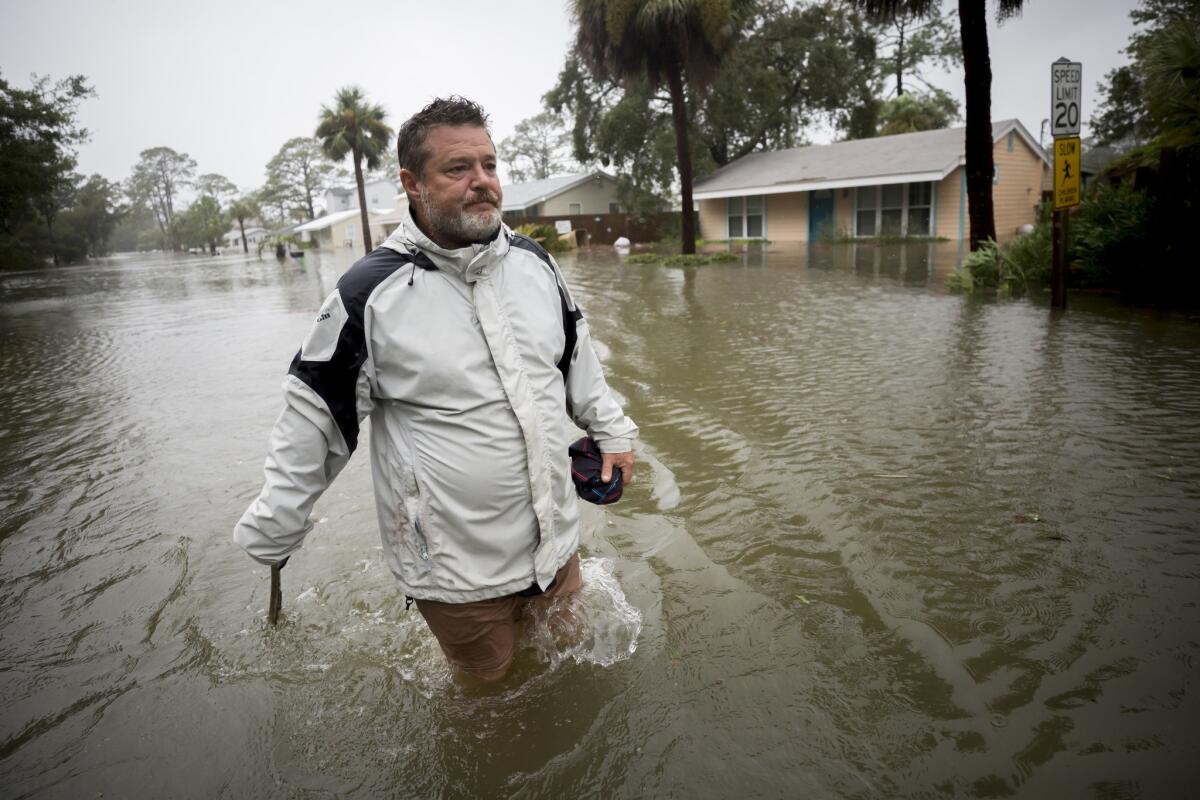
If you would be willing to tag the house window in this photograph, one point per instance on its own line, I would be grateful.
(1011, 134)
(867, 208)
(574, 208)
(920, 208)
(746, 217)
(898, 209)
(614, 208)
(891, 215)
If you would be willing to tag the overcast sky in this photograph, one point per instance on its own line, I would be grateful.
(228, 82)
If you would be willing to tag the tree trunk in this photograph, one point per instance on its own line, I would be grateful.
(50, 232)
(900, 59)
(362, 201)
(242, 228)
(977, 68)
(312, 214)
(683, 157)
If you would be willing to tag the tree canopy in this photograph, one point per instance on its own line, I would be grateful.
(788, 70)
(651, 44)
(353, 126)
(301, 170)
(538, 148)
(1155, 95)
(909, 112)
(157, 179)
(38, 136)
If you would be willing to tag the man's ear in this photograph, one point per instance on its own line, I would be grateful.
(409, 182)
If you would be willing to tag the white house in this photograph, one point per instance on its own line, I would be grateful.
(344, 228)
(381, 196)
(254, 235)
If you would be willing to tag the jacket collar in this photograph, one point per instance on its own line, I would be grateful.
(465, 263)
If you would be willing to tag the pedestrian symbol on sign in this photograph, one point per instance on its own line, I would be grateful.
(1066, 173)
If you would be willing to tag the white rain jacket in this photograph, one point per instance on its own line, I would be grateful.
(466, 361)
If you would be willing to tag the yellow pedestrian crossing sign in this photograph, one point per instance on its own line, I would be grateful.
(1066, 173)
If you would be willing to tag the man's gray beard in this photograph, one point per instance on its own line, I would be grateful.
(462, 226)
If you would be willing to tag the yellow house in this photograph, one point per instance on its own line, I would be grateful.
(910, 184)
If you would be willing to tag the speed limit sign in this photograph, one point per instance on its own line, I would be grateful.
(1066, 86)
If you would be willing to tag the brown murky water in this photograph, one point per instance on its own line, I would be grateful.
(884, 542)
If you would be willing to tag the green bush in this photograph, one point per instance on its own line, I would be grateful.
(960, 281)
(989, 268)
(1033, 253)
(545, 235)
(1111, 237)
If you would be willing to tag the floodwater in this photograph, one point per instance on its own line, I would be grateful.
(884, 542)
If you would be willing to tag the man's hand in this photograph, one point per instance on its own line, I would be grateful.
(622, 461)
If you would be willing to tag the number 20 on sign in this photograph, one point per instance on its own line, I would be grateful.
(1066, 173)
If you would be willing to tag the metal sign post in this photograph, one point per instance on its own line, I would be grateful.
(1066, 108)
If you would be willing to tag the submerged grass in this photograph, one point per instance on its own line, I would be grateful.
(679, 260)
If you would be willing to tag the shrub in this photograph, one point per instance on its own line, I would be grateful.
(545, 235)
(1033, 253)
(1111, 236)
(644, 258)
(989, 267)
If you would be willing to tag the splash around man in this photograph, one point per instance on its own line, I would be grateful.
(462, 343)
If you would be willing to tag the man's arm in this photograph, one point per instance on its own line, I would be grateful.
(306, 452)
(594, 408)
(326, 396)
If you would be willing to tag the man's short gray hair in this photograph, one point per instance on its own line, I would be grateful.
(453, 110)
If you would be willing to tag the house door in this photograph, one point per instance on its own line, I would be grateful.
(820, 215)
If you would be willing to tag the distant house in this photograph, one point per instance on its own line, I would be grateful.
(910, 184)
(336, 230)
(586, 193)
(254, 235)
(381, 195)
(388, 221)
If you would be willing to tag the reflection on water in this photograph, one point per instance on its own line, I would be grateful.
(883, 541)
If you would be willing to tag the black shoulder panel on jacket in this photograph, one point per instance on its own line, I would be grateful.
(336, 380)
(570, 316)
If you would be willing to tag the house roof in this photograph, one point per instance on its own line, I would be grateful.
(902, 158)
(320, 223)
(519, 196)
(393, 215)
(353, 188)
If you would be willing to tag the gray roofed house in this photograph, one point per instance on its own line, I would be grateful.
(910, 184)
(585, 193)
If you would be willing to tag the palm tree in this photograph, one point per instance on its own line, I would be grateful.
(356, 127)
(660, 41)
(977, 77)
(241, 210)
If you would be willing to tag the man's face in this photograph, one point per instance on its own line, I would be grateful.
(458, 196)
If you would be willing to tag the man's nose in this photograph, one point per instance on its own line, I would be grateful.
(480, 177)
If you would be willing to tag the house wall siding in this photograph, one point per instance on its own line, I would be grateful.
(1016, 194)
(787, 217)
(712, 219)
(843, 212)
(949, 195)
(592, 196)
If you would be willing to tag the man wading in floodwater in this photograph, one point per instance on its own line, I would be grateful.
(462, 343)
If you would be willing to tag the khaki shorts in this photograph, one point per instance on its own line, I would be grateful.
(478, 638)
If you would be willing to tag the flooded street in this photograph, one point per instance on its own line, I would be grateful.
(883, 541)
